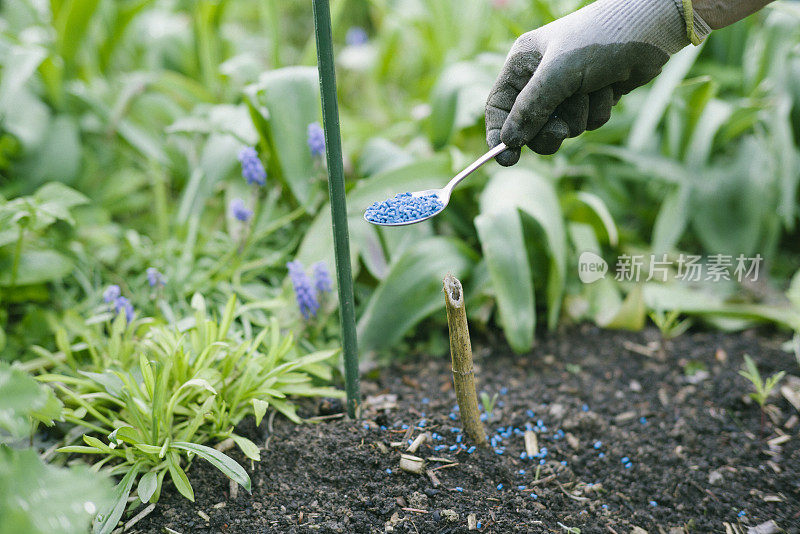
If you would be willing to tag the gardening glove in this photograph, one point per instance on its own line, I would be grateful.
(563, 78)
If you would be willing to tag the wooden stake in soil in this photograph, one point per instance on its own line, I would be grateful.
(461, 356)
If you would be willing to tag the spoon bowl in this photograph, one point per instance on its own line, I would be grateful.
(443, 194)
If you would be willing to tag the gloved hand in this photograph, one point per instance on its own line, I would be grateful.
(563, 78)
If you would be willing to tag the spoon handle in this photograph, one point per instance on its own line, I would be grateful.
(474, 167)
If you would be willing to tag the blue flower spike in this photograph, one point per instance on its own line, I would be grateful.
(316, 139)
(303, 290)
(123, 305)
(155, 278)
(239, 211)
(252, 168)
(111, 293)
(322, 278)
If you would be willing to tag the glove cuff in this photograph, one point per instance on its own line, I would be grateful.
(656, 22)
(696, 28)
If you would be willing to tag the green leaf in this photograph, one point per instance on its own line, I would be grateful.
(149, 449)
(59, 155)
(504, 249)
(126, 434)
(229, 467)
(632, 314)
(588, 208)
(218, 159)
(147, 486)
(534, 195)
(36, 498)
(672, 219)
(731, 205)
(457, 100)
(35, 267)
(284, 102)
(179, 477)
(22, 398)
(259, 409)
(72, 24)
(659, 97)
(411, 291)
(108, 517)
(249, 448)
(110, 382)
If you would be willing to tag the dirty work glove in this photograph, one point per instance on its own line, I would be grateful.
(563, 78)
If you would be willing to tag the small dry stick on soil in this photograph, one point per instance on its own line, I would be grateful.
(461, 355)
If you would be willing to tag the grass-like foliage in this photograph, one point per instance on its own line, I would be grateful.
(151, 396)
(763, 388)
(668, 323)
(488, 403)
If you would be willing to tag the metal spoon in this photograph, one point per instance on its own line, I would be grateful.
(444, 192)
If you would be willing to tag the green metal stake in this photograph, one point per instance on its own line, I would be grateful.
(341, 241)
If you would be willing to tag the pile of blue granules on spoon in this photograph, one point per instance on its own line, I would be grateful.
(403, 208)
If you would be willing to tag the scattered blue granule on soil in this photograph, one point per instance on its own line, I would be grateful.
(742, 513)
(403, 208)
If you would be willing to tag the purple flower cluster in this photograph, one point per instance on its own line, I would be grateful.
(240, 211)
(316, 139)
(322, 278)
(155, 278)
(113, 295)
(252, 168)
(306, 291)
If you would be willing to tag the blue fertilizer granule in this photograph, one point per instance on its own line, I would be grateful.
(403, 208)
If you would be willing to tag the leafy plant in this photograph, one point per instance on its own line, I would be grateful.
(668, 323)
(488, 403)
(147, 394)
(33, 230)
(57, 500)
(763, 388)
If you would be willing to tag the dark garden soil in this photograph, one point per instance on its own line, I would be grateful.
(696, 457)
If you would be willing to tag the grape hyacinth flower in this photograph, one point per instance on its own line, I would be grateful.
(240, 211)
(303, 290)
(123, 305)
(322, 278)
(316, 139)
(252, 168)
(111, 293)
(356, 36)
(154, 277)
